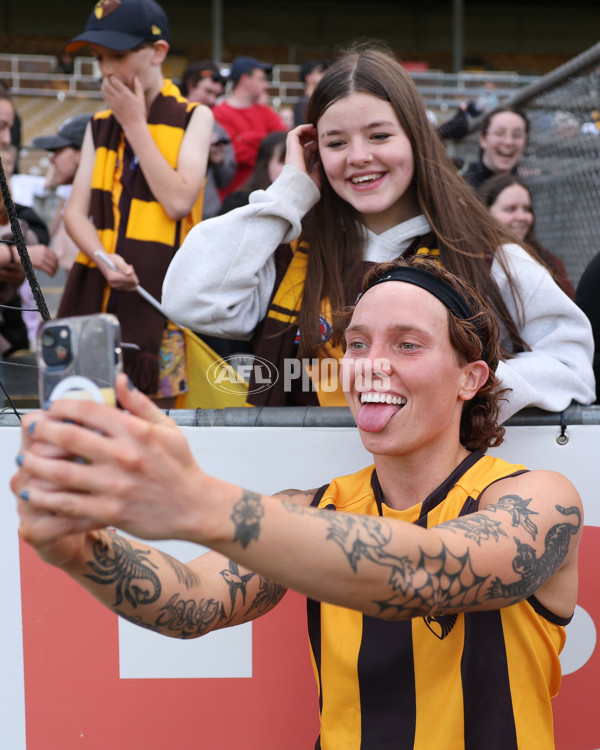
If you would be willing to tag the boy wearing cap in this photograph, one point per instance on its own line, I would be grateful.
(246, 121)
(142, 168)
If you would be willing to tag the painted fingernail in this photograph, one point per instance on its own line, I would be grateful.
(24, 495)
(31, 428)
(19, 459)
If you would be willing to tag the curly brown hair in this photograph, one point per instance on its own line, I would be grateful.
(479, 428)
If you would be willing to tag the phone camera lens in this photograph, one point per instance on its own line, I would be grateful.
(48, 338)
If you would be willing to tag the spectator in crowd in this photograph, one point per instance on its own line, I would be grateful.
(380, 184)
(592, 126)
(15, 128)
(137, 190)
(65, 64)
(246, 121)
(509, 201)
(18, 328)
(566, 125)
(311, 73)
(440, 579)
(13, 331)
(7, 115)
(502, 140)
(41, 255)
(202, 82)
(286, 114)
(269, 163)
(457, 126)
(65, 149)
(588, 299)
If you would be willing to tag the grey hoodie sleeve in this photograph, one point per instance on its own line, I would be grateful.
(558, 367)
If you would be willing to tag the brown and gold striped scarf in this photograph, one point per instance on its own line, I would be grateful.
(133, 224)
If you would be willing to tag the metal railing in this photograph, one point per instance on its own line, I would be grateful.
(322, 416)
(35, 75)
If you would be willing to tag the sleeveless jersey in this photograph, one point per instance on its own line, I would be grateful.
(472, 681)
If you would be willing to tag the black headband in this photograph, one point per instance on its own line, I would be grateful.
(446, 294)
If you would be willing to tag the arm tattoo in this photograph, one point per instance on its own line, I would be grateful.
(533, 572)
(246, 516)
(236, 582)
(477, 528)
(359, 539)
(444, 581)
(188, 618)
(184, 575)
(119, 562)
(268, 596)
(299, 510)
(517, 507)
(291, 493)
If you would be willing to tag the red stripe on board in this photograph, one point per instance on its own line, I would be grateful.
(74, 698)
(576, 721)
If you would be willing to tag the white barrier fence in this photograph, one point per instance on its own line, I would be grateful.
(74, 677)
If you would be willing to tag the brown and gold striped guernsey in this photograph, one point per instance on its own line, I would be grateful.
(473, 681)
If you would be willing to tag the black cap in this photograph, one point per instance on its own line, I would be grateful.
(70, 133)
(243, 65)
(311, 65)
(122, 25)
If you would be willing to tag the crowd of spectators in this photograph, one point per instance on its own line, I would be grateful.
(245, 154)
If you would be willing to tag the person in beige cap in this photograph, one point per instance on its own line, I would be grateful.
(65, 152)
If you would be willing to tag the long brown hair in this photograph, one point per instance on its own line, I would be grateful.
(467, 236)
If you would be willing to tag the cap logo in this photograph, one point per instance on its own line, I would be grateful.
(104, 8)
(156, 31)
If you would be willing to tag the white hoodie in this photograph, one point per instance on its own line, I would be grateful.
(221, 280)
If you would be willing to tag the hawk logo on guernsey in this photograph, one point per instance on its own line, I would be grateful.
(441, 626)
(104, 8)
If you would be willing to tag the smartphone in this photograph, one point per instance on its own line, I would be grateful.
(79, 358)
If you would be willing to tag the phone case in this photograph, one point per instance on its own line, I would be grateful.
(79, 358)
